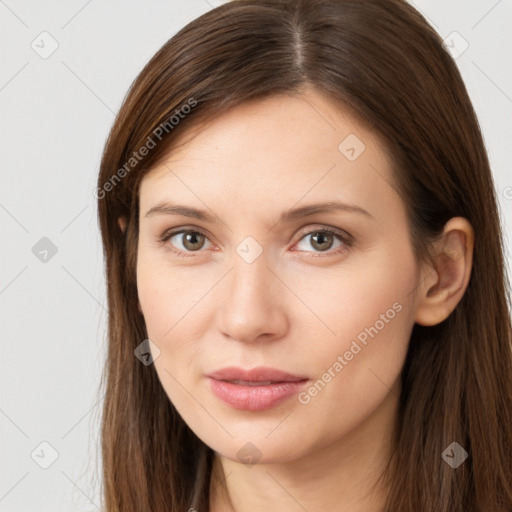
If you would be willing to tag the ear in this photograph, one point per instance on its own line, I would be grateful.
(122, 223)
(444, 283)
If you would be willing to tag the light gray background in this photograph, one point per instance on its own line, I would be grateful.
(56, 114)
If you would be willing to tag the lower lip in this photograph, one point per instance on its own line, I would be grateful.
(255, 398)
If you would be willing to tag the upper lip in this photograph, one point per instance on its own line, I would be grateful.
(260, 374)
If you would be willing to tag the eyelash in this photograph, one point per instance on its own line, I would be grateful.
(346, 240)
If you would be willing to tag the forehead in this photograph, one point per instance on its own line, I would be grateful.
(281, 148)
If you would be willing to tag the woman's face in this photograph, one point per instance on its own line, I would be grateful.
(276, 339)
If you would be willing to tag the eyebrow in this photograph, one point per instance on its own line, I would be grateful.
(166, 208)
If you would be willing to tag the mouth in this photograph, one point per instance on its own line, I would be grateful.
(250, 383)
(255, 390)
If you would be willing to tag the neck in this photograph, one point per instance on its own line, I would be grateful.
(346, 476)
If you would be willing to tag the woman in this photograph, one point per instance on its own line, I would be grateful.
(307, 296)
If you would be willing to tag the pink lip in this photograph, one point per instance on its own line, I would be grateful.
(276, 386)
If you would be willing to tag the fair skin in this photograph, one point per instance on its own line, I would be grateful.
(298, 306)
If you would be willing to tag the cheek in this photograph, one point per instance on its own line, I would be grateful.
(167, 303)
(351, 298)
(176, 307)
(168, 296)
(367, 315)
(353, 378)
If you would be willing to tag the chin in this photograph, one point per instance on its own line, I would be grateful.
(257, 447)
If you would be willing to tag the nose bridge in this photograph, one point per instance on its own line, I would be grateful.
(249, 308)
(251, 280)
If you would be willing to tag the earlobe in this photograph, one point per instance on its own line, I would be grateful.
(444, 285)
(122, 223)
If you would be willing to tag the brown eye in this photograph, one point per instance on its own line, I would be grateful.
(192, 240)
(321, 240)
(184, 241)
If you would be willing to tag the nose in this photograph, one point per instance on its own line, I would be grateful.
(252, 305)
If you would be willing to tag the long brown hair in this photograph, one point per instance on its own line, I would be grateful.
(382, 61)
